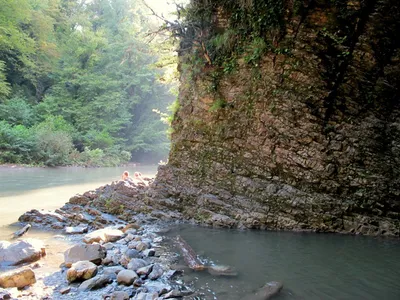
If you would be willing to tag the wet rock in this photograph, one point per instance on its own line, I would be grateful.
(145, 270)
(81, 270)
(146, 296)
(65, 290)
(103, 235)
(93, 253)
(136, 264)
(132, 253)
(176, 294)
(149, 252)
(42, 217)
(126, 277)
(95, 283)
(132, 227)
(113, 270)
(141, 246)
(157, 287)
(112, 257)
(157, 272)
(4, 294)
(79, 200)
(25, 251)
(17, 278)
(119, 295)
(77, 229)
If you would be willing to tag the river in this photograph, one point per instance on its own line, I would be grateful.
(311, 266)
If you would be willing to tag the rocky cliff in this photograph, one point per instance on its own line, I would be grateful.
(289, 116)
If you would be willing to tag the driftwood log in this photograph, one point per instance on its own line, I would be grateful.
(194, 263)
(189, 255)
(22, 231)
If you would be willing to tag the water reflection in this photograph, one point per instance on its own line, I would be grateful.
(311, 266)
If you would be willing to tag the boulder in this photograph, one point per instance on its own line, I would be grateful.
(93, 253)
(81, 270)
(126, 277)
(136, 263)
(145, 270)
(103, 235)
(79, 200)
(113, 270)
(157, 287)
(17, 278)
(95, 283)
(157, 272)
(149, 252)
(24, 251)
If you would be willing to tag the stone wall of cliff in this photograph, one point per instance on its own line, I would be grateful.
(289, 116)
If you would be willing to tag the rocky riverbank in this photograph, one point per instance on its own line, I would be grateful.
(116, 251)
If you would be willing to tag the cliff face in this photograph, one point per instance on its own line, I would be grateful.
(289, 116)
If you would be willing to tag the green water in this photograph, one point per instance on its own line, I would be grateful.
(311, 266)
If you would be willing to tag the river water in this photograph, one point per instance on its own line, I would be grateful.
(311, 266)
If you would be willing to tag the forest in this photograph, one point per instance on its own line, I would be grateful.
(82, 83)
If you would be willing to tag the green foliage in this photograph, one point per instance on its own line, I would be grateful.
(17, 144)
(256, 49)
(83, 81)
(4, 85)
(218, 104)
(17, 111)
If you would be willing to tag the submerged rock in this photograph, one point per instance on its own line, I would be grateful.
(268, 291)
(17, 278)
(25, 251)
(219, 270)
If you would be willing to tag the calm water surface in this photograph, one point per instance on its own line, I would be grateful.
(311, 266)
(23, 189)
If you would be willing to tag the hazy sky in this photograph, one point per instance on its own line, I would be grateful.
(164, 6)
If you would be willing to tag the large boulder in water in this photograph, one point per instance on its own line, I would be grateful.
(24, 251)
(17, 278)
(93, 253)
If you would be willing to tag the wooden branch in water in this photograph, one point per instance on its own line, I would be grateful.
(189, 255)
(22, 231)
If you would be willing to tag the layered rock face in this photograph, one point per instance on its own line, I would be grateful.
(289, 116)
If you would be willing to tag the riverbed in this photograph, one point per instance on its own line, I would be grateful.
(311, 266)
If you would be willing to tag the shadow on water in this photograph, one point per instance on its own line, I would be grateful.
(311, 266)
